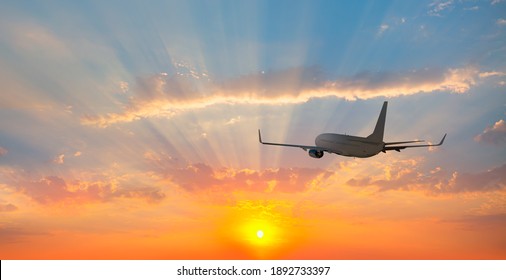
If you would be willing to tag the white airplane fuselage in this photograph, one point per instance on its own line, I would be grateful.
(347, 145)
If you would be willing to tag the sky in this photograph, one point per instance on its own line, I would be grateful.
(129, 129)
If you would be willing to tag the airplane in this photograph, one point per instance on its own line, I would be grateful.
(355, 146)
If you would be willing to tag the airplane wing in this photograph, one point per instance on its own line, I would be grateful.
(305, 148)
(399, 148)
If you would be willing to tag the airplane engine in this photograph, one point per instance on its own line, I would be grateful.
(315, 153)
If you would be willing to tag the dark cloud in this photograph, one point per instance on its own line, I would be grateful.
(8, 207)
(438, 182)
(47, 190)
(150, 194)
(296, 81)
(199, 176)
(164, 95)
(490, 180)
(495, 135)
(289, 82)
(376, 81)
(53, 189)
(9, 234)
(175, 88)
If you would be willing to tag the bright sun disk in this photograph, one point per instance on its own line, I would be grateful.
(260, 234)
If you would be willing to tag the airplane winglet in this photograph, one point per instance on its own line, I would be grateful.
(260, 137)
(442, 140)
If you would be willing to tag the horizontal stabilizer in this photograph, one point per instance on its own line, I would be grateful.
(399, 148)
(404, 142)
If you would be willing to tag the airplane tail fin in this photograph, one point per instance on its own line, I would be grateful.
(377, 135)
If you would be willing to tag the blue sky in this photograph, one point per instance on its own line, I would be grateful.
(91, 47)
(341, 37)
(138, 95)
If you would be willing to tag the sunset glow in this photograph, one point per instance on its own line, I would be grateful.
(130, 131)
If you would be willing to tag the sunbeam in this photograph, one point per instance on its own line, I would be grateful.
(131, 131)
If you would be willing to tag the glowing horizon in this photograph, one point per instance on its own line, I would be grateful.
(131, 132)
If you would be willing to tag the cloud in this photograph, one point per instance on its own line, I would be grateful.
(3, 151)
(369, 85)
(496, 2)
(474, 8)
(495, 134)
(167, 95)
(53, 189)
(491, 74)
(59, 159)
(9, 234)
(438, 6)
(407, 176)
(382, 29)
(501, 22)
(287, 180)
(233, 121)
(200, 176)
(490, 180)
(8, 207)
(123, 87)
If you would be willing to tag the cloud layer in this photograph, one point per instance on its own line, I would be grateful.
(290, 180)
(406, 175)
(54, 189)
(165, 95)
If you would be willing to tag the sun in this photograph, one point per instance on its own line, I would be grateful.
(259, 233)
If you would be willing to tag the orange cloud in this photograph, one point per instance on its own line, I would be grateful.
(200, 176)
(407, 175)
(436, 182)
(53, 189)
(60, 159)
(492, 74)
(166, 95)
(13, 235)
(335, 222)
(8, 207)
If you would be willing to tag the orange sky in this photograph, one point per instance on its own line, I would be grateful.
(326, 218)
(131, 131)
